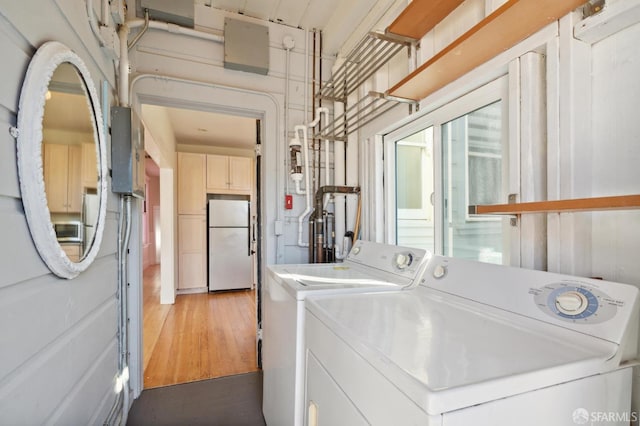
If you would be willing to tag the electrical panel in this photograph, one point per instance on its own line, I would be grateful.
(127, 152)
(172, 11)
(246, 46)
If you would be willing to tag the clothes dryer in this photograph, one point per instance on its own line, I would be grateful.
(474, 344)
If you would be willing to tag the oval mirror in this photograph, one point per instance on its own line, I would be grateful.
(62, 160)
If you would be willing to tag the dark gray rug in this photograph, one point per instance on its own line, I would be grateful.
(227, 401)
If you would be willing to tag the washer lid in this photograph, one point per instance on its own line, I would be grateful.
(302, 280)
(447, 353)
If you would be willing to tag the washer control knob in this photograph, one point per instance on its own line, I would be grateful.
(355, 250)
(571, 303)
(403, 260)
(439, 271)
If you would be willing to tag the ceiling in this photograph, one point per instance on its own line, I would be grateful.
(207, 128)
(307, 14)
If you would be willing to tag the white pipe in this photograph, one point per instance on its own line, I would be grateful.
(286, 111)
(176, 29)
(314, 123)
(123, 66)
(339, 179)
(286, 114)
(94, 24)
(305, 149)
(307, 190)
(105, 13)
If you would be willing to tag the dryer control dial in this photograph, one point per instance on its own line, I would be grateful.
(571, 303)
(439, 271)
(575, 301)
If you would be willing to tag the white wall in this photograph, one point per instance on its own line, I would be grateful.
(58, 337)
(198, 64)
(615, 236)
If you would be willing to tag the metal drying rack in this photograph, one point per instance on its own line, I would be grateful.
(371, 53)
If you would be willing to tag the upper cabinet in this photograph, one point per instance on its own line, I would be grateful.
(62, 170)
(192, 193)
(229, 175)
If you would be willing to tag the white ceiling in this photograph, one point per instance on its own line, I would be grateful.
(207, 128)
(306, 14)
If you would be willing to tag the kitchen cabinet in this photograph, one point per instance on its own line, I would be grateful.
(62, 169)
(89, 168)
(229, 174)
(192, 192)
(72, 251)
(192, 252)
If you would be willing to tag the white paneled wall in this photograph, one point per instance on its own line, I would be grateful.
(58, 355)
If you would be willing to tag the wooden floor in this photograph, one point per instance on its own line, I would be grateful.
(201, 336)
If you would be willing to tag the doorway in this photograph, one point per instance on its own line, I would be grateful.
(179, 93)
(203, 334)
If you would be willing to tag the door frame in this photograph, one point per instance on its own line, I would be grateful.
(181, 93)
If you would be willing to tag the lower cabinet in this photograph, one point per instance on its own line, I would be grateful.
(72, 251)
(192, 252)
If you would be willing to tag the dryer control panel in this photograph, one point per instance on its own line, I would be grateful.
(598, 308)
(575, 301)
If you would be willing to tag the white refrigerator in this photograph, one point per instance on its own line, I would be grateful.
(230, 256)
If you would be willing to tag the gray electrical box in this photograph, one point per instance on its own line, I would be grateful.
(179, 12)
(127, 152)
(246, 46)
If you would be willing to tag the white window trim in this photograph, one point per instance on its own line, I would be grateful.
(473, 100)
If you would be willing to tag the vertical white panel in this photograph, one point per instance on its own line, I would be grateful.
(513, 118)
(616, 153)
(575, 148)
(533, 156)
(553, 152)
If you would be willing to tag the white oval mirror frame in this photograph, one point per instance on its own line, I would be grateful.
(30, 164)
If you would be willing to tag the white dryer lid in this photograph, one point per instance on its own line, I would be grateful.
(447, 353)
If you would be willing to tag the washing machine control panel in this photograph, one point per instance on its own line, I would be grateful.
(575, 301)
(401, 261)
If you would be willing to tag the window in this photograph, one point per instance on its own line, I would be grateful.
(414, 190)
(444, 161)
(472, 171)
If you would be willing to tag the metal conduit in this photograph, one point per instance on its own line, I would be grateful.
(317, 226)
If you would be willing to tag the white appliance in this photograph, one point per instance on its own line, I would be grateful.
(474, 344)
(90, 210)
(230, 256)
(369, 267)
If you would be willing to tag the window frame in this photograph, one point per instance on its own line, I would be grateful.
(495, 90)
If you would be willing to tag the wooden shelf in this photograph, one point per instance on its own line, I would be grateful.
(511, 23)
(624, 202)
(420, 16)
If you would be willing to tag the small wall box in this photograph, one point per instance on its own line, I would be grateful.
(127, 152)
(246, 46)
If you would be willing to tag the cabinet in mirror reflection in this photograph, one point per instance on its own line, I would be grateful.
(70, 161)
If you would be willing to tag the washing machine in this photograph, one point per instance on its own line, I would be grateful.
(474, 344)
(369, 267)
